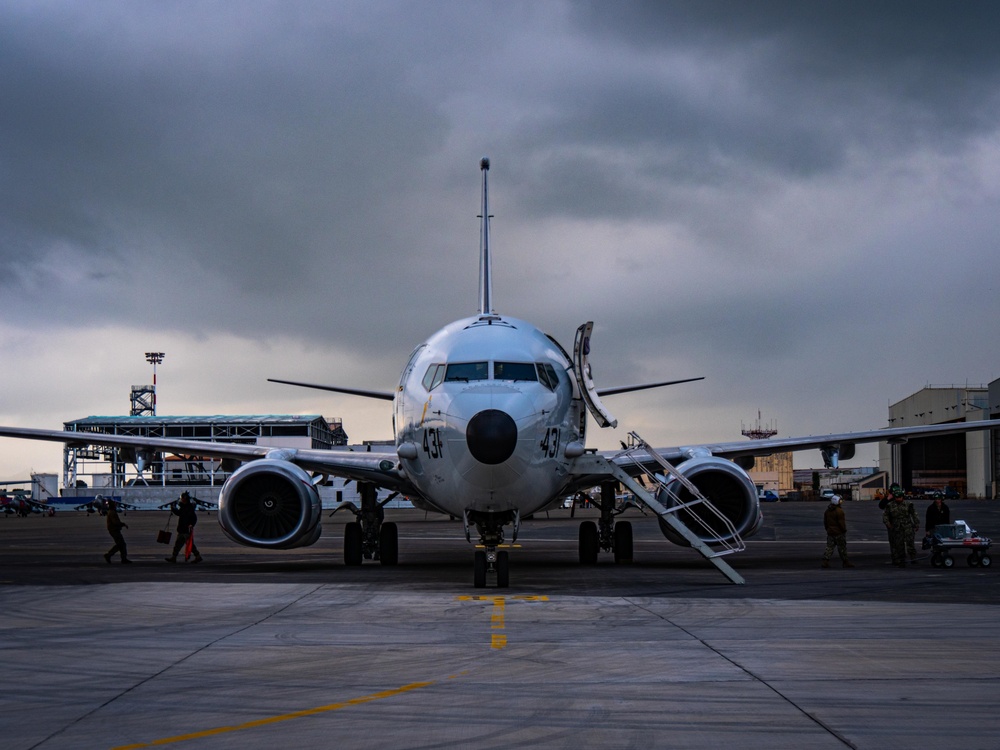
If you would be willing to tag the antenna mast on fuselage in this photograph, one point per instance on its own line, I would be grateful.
(485, 259)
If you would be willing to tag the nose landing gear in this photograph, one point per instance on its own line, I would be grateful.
(490, 561)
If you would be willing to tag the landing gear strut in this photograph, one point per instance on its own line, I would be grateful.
(490, 561)
(368, 537)
(606, 534)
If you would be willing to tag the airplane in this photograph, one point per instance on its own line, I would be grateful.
(19, 503)
(490, 425)
(99, 505)
(198, 504)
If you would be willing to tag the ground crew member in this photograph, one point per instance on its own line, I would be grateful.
(836, 533)
(115, 526)
(186, 520)
(901, 520)
(937, 512)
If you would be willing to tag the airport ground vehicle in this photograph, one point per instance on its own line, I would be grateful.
(959, 536)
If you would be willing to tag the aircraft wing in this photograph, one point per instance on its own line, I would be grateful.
(837, 441)
(381, 395)
(377, 465)
(642, 386)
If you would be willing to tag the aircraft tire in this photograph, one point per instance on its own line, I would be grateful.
(479, 569)
(590, 544)
(503, 569)
(353, 545)
(623, 542)
(388, 544)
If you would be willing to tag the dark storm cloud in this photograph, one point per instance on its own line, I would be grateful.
(247, 144)
(706, 91)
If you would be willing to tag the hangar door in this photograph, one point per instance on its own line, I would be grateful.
(934, 463)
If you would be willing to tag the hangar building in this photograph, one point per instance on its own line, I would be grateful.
(968, 463)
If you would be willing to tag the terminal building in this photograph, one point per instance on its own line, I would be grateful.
(159, 477)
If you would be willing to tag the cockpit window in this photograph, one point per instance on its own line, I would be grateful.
(547, 375)
(514, 371)
(433, 376)
(463, 372)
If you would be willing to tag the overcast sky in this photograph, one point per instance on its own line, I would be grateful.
(798, 201)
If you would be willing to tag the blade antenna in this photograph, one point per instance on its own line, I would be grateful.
(485, 259)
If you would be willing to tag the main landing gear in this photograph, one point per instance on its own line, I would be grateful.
(606, 534)
(490, 561)
(369, 537)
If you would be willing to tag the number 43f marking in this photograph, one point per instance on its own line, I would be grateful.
(433, 446)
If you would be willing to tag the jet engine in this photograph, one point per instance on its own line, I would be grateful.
(727, 487)
(270, 503)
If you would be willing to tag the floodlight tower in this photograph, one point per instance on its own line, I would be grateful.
(759, 432)
(154, 358)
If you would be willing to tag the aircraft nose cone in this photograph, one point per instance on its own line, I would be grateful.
(492, 436)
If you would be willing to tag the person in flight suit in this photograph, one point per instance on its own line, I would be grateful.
(836, 533)
(900, 519)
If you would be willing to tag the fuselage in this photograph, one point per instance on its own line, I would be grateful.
(483, 414)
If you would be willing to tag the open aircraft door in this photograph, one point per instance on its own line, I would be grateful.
(581, 367)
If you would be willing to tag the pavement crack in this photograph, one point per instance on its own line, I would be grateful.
(749, 673)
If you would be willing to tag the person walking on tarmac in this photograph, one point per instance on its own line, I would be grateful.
(115, 526)
(186, 520)
(836, 533)
(901, 520)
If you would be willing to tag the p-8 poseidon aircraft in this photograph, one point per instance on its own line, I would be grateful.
(490, 422)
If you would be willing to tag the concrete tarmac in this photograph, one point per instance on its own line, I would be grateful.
(256, 649)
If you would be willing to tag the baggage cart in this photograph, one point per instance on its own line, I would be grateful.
(952, 537)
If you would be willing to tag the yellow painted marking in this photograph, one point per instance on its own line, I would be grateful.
(521, 598)
(276, 719)
(498, 614)
(423, 414)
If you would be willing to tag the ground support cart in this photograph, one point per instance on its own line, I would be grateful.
(949, 537)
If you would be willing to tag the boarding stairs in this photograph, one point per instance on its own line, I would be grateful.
(656, 485)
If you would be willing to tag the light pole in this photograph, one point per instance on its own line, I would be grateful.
(154, 358)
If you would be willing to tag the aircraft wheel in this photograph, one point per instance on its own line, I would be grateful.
(503, 569)
(479, 569)
(623, 542)
(388, 544)
(353, 547)
(947, 561)
(985, 560)
(590, 544)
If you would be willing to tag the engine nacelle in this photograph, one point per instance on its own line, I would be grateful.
(727, 487)
(272, 504)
